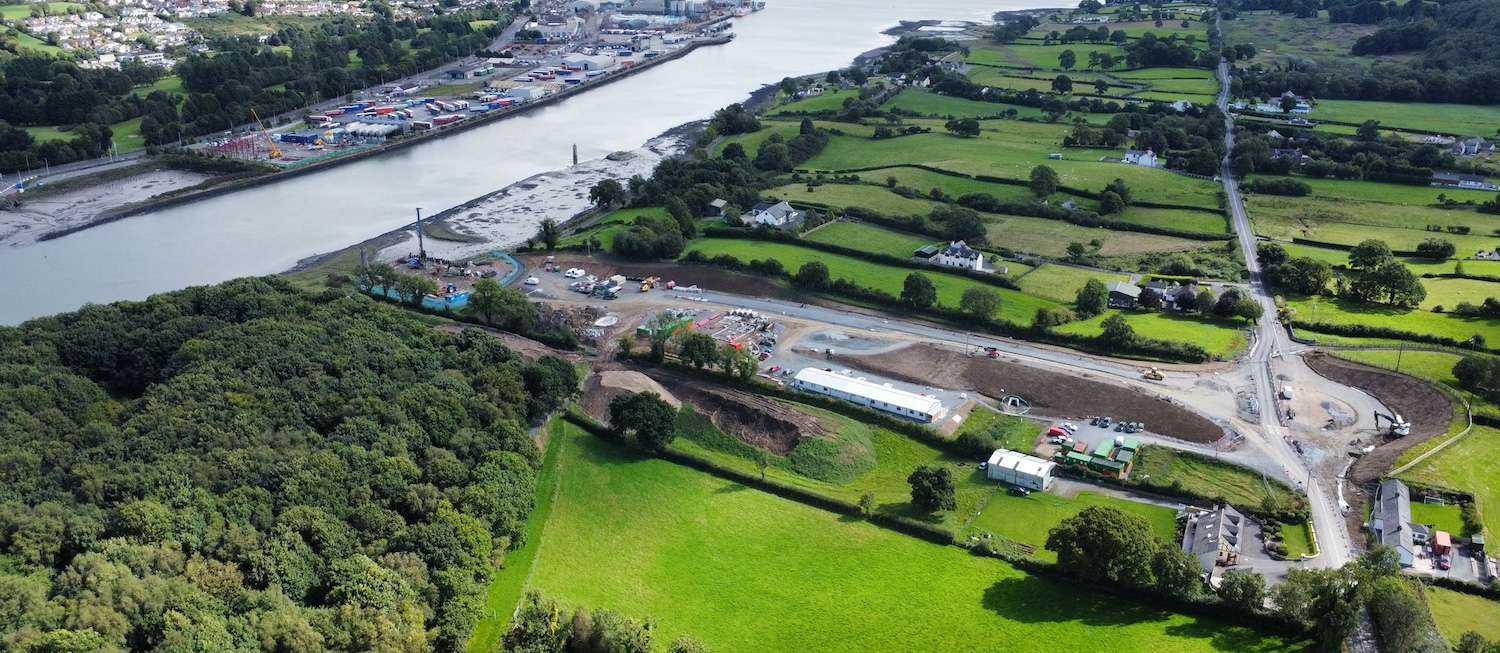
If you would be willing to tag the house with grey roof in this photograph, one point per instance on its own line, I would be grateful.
(1123, 294)
(1391, 524)
(1214, 538)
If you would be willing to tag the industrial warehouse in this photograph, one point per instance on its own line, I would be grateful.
(864, 393)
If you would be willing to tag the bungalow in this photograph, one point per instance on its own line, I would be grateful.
(1391, 524)
(1214, 538)
(1453, 180)
(1124, 294)
(1140, 158)
(779, 215)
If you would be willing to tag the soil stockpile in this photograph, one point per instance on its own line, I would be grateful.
(755, 420)
(1050, 393)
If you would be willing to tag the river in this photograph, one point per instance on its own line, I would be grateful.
(268, 229)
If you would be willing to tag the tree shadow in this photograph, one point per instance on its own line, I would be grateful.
(1031, 599)
(600, 451)
(1238, 639)
(732, 488)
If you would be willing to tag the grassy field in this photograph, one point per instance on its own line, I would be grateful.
(1417, 266)
(1014, 433)
(23, 11)
(1061, 283)
(1197, 221)
(1221, 338)
(1468, 465)
(610, 225)
(1449, 292)
(170, 84)
(1017, 307)
(1029, 519)
(1417, 321)
(1457, 613)
(1433, 366)
(1046, 56)
(831, 98)
(932, 104)
(1279, 36)
(746, 571)
(1051, 238)
(895, 456)
(955, 186)
(869, 238)
(875, 198)
(510, 582)
(1442, 518)
(1455, 119)
(1348, 222)
(42, 134)
(1240, 485)
(1371, 191)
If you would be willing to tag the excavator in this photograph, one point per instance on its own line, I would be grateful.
(275, 151)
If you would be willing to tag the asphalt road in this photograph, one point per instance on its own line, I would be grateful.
(1334, 542)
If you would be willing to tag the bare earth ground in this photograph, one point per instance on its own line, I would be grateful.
(1050, 393)
(506, 218)
(1429, 410)
(47, 213)
(753, 419)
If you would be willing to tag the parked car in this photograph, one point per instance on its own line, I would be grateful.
(532, 281)
(1071, 427)
(1019, 491)
(1120, 427)
(1445, 562)
(983, 465)
(1093, 421)
(1104, 423)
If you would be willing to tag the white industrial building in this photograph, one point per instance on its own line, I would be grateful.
(1020, 469)
(864, 393)
(589, 62)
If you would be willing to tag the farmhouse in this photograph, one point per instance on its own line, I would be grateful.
(1213, 538)
(1141, 158)
(1020, 469)
(1123, 294)
(956, 254)
(1454, 180)
(864, 393)
(779, 215)
(1390, 521)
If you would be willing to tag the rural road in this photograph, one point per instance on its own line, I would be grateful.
(1335, 544)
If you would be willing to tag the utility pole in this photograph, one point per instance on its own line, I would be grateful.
(1399, 352)
(421, 249)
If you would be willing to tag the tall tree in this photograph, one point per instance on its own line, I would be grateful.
(918, 292)
(1103, 543)
(1093, 299)
(1067, 59)
(548, 233)
(647, 415)
(1044, 181)
(982, 303)
(1369, 254)
(607, 193)
(932, 489)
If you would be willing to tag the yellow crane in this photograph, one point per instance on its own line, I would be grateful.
(275, 151)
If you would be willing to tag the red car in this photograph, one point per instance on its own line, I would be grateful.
(1445, 563)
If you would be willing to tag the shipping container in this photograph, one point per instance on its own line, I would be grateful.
(572, 81)
(421, 125)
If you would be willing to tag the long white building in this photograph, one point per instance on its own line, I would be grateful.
(1020, 469)
(873, 395)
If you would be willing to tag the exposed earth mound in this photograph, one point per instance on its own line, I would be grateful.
(752, 419)
(1050, 393)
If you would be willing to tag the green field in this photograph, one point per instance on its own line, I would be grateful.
(1349, 222)
(746, 571)
(610, 225)
(1051, 238)
(1061, 283)
(932, 104)
(895, 456)
(1220, 338)
(43, 134)
(1371, 191)
(1433, 366)
(28, 42)
(831, 98)
(1298, 540)
(1018, 307)
(1449, 292)
(1468, 465)
(842, 196)
(1419, 267)
(1046, 56)
(869, 238)
(1196, 221)
(1240, 485)
(925, 181)
(510, 581)
(1010, 149)
(23, 11)
(1457, 613)
(1455, 119)
(1029, 519)
(170, 84)
(1415, 321)
(1442, 518)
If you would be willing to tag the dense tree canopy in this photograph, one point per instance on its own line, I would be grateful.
(250, 467)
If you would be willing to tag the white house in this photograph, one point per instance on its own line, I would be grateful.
(779, 215)
(1452, 180)
(1141, 158)
(958, 254)
(857, 390)
(1213, 538)
(1020, 469)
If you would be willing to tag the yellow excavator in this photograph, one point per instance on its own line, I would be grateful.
(275, 151)
(1153, 374)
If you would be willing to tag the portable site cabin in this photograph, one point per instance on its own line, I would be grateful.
(1020, 469)
(1442, 543)
(858, 391)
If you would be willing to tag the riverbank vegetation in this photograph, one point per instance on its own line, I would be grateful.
(252, 463)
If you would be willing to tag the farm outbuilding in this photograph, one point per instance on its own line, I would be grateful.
(1020, 469)
(864, 393)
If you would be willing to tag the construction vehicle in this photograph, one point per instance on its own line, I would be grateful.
(275, 151)
(1400, 428)
(1153, 374)
(649, 282)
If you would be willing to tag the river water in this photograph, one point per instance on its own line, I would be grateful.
(268, 229)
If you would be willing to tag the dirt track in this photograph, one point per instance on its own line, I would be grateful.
(1050, 393)
(1429, 410)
